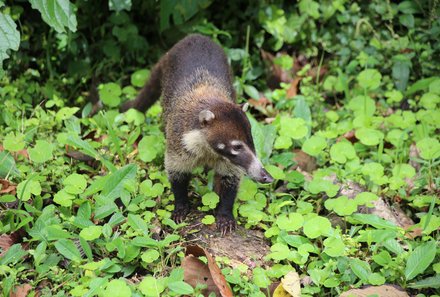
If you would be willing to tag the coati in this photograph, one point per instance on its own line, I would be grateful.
(203, 125)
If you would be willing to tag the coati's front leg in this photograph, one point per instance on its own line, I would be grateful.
(226, 186)
(179, 186)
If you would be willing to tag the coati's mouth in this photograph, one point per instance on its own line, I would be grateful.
(257, 172)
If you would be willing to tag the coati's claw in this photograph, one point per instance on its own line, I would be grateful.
(179, 214)
(225, 225)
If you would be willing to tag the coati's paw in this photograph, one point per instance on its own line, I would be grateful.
(225, 224)
(179, 214)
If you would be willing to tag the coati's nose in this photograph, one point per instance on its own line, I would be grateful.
(265, 176)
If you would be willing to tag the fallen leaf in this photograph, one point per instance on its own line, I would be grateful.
(293, 88)
(197, 272)
(304, 161)
(6, 187)
(380, 291)
(291, 284)
(20, 291)
(216, 274)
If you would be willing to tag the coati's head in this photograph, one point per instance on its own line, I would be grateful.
(228, 133)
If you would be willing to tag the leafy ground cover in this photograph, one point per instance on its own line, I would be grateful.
(344, 105)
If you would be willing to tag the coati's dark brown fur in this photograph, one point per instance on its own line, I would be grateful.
(203, 124)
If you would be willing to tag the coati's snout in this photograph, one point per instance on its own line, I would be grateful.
(228, 133)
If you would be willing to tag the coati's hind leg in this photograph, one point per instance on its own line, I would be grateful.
(179, 186)
(226, 186)
(149, 94)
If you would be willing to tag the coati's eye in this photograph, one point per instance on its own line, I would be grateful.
(237, 147)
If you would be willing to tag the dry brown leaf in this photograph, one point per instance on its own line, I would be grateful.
(381, 291)
(20, 291)
(6, 241)
(293, 89)
(23, 153)
(291, 284)
(216, 274)
(197, 272)
(6, 187)
(304, 161)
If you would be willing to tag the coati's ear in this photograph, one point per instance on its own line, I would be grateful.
(205, 117)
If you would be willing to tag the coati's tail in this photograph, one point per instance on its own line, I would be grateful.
(149, 94)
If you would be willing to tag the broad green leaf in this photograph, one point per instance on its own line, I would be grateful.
(150, 256)
(63, 198)
(151, 287)
(148, 189)
(334, 247)
(137, 223)
(139, 77)
(291, 222)
(75, 183)
(374, 221)
(276, 172)
(369, 79)
(110, 94)
(260, 278)
(318, 185)
(117, 288)
(68, 249)
(210, 199)
(314, 145)
(91, 232)
(342, 205)
(316, 227)
(180, 287)
(432, 282)
(58, 14)
(251, 91)
(150, 147)
(361, 269)
(419, 259)
(430, 100)
(362, 105)
(342, 151)
(9, 38)
(13, 255)
(369, 136)
(208, 220)
(376, 279)
(7, 164)
(293, 128)
(429, 148)
(27, 188)
(41, 152)
(14, 142)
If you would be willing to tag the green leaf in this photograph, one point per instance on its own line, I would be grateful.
(276, 172)
(13, 255)
(314, 145)
(119, 5)
(41, 152)
(342, 205)
(150, 256)
(148, 189)
(110, 94)
(334, 247)
(180, 287)
(419, 259)
(374, 221)
(429, 148)
(361, 269)
(137, 223)
(9, 37)
(117, 288)
(68, 249)
(316, 227)
(91, 232)
(14, 142)
(342, 151)
(210, 199)
(291, 222)
(369, 136)
(318, 185)
(208, 220)
(27, 188)
(362, 105)
(140, 77)
(429, 100)
(151, 287)
(56, 13)
(376, 279)
(293, 128)
(369, 79)
(260, 278)
(251, 91)
(149, 147)
(75, 183)
(7, 165)
(432, 282)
